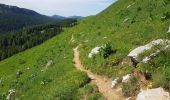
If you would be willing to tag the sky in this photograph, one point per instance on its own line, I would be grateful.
(62, 7)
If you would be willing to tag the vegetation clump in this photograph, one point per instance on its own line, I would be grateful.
(107, 50)
(131, 88)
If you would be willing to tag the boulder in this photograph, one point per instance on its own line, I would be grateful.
(153, 94)
(94, 51)
(134, 54)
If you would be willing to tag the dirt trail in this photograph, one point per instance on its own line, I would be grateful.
(103, 83)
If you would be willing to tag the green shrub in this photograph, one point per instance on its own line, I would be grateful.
(96, 96)
(131, 87)
(166, 16)
(139, 9)
(167, 2)
(162, 78)
(2, 97)
(90, 92)
(107, 50)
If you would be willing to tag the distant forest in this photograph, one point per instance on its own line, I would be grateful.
(14, 42)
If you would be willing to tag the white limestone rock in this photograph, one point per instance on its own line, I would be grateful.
(94, 51)
(139, 50)
(114, 82)
(153, 94)
(50, 62)
(168, 30)
(10, 95)
(126, 78)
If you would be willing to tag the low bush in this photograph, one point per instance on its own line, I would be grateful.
(131, 88)
(166, 16)
(2, 97)
(162, 79)
(107, 50)
(96, 96)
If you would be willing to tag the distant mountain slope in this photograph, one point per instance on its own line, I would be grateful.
(76, 17)
(13, 18)
(58, 17)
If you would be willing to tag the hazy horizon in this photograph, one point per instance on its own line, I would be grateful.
(62, 8)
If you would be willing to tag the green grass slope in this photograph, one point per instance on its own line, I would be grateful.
(59, 81)
(126, 25)
(123, 26)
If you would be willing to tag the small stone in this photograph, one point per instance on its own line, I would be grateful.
(11, 94)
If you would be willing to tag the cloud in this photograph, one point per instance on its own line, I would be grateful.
(62, 7)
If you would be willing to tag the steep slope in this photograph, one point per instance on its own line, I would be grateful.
(13, 18)
(125, 25)
(43, 72)
(29, 37)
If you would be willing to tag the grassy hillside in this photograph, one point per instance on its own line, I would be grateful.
(58, 80)
(16, 42)
(125, 28)
(125, 25)
(45, 72)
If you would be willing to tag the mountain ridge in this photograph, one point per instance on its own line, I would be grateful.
(14, 18)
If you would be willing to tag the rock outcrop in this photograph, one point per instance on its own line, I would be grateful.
(134, 54)
(153, 94)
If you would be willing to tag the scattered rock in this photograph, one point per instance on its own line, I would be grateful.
(153, 94)
(168, 30)
(49, 63)
(94, 51)
(126, 78)
(126, 20)
(11, 94)
(139, 50)
(114, 82)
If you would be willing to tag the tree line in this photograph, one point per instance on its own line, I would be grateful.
(15, 42)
